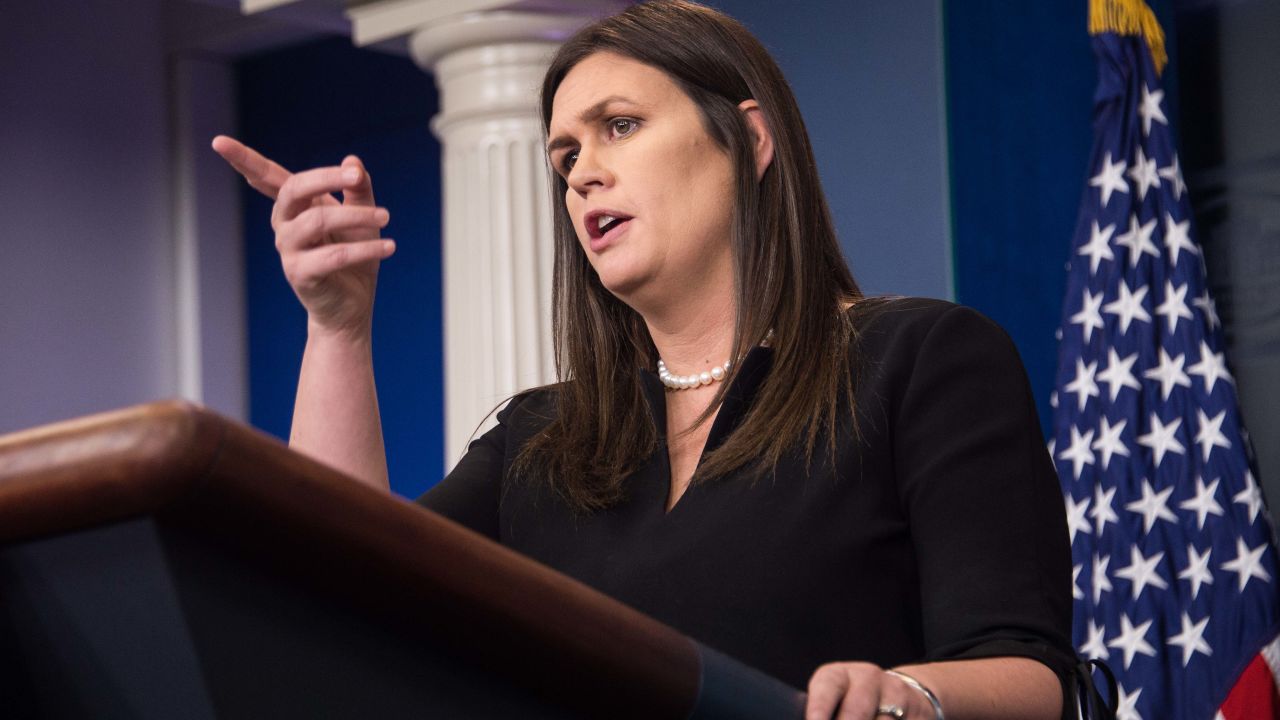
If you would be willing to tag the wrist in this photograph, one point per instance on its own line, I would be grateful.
(357, 337)
(920, 688)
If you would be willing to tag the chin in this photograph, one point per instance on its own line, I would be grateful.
(624, 289)
(624, 283)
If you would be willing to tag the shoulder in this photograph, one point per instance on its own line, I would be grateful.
(535, 405)
(527, 413)
(898, 327)
(931, 351)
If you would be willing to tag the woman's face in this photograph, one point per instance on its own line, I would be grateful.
(650, 193)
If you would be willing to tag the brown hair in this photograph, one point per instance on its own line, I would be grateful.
(790, 275)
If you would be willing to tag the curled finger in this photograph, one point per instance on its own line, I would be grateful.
(888, 705)
(881, 696)
(861, 700)
(359, 191)
(310, 267)
(311, 188)
(310, 228)
(826, 687)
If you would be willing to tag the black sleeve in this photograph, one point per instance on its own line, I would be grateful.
(983, 500)
(469, 494)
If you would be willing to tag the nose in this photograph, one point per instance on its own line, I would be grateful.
(589, 172)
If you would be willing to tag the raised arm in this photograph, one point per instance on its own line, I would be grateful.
(330, 252)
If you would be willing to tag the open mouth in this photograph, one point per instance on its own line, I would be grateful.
(601, 224)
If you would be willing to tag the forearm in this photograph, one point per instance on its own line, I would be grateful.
(992, 688)
(335, 414)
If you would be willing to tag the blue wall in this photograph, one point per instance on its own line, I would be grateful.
(310, 106)
(1020, 83)
(868, 77)
(1020, 80)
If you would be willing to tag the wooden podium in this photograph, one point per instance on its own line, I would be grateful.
(164, 562)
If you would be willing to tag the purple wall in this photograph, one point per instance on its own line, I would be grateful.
(86, 290)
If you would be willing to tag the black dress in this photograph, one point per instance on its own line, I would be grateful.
(940, 534)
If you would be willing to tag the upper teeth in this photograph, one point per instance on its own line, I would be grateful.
(604, 221)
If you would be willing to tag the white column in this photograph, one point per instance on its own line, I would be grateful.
(208, 258)
(497, 224)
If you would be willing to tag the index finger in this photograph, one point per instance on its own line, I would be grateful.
(262, 174)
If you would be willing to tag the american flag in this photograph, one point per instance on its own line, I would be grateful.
(1175, 568)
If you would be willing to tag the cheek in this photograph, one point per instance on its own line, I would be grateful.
(701, 192)
(573, 205)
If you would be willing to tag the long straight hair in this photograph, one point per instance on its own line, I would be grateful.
(789, 274)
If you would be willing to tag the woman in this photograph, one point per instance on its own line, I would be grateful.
(852, 495)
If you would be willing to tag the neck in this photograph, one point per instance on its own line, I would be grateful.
(696, 334)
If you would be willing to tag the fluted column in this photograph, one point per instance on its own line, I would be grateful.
(497, 226)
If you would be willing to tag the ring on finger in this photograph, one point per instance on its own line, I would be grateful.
(892, 711)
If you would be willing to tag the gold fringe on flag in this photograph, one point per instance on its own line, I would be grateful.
(1129, 17)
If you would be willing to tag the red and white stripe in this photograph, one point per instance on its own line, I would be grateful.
(1256, 695)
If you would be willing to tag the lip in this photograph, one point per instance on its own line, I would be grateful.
(599, 241)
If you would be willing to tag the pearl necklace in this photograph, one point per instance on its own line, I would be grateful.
(685, 382)
(715, 374)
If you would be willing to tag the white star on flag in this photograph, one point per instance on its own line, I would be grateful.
(1161, 439)
(1247, 563)
(1204, 503)
(1132, 640)
(1084, 385)
(1127, 706)
(1079, 453)
(1173, 174)
(1138, 239)
(1142, 571)
(1089, 317)
(1109, 441)
(1102, 512)
(1210, 434)
(1143, 174)
(1152, 506)
(1211, 368)
(1110, 178)
(1095, 646)
(1250, 497)
(1099, 247)
(1209, 308)
(1169, 373)
(1128, 306)
(1101, 583)
(1076, 594)
(1118, 373)
(1197, 571)
(1150, 109)
(1075, 516)
(1177, 237)
(1191, 639)
(1174, 305)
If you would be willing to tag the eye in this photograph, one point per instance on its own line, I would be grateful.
(567, 161)
(618, 127)
(622, 127)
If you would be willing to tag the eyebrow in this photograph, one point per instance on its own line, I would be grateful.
(586, 116)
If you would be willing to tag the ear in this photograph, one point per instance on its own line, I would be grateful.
(763, 138)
